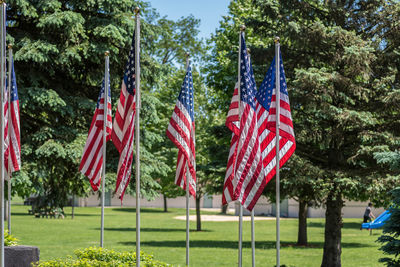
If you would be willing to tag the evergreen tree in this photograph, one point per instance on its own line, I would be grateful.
(391, 233)
(332, 53)
(59, 53)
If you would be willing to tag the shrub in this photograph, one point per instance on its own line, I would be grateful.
(9, 240)
(96, 257)
(391, 233)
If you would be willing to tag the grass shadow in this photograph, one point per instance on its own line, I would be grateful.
(133, 229)
(82, 214)
(352, 225)
(20, 214)
(346, 225)
(234, 244)
(142, 210)
(67, 215)
(316, 224)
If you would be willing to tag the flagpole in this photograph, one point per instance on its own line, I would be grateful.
(277, 93)
(103, 180)
(253, 242)
(137, 131)
(187, 193)
(10, 56)
(2, 79)
(187, 215)
(242, 29)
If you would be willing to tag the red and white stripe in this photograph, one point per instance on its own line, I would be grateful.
(181, 131)
(244, 168)
(12, 144)
(123, 135)
(232, 122)
(267, 137)
(12, 120)
(92, 158)
(248, 166)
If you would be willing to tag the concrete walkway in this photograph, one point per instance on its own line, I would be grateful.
(223, 218)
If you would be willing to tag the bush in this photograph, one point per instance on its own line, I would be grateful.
(97, 257)
(9, 240)
(391, 233)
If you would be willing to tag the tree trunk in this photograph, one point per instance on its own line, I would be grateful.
(224, 209)
(333, 231)
(198, 218)
(73, 207)
(302, 231)
(165, 203)
(6, 210)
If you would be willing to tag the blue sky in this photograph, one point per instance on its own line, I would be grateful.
(210, 12)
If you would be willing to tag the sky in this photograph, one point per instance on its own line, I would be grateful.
(210, 12)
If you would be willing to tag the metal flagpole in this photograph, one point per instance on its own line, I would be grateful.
(240, 233)
(187, 193)
(242, 29)
(103, 181)
(9, 203)
(253, 242)
(277, 93)
(3, 83)
(137, 131)
(187, 215)
(10, 56)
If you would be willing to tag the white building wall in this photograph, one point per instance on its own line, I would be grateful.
(352, 209)
(130, 201)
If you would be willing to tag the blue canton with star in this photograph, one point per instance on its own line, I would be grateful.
(247, 82)
(102, 91)
(129, 76)
(14, 91)
(186, 94)
(264, 94)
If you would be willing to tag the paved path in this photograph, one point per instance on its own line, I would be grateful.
(222, 218)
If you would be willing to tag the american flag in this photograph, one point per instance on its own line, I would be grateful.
(124, 124)
(12, 120)
(92, 158)
(232, 122)
(181, 131)
(266, 114)
(245, 158)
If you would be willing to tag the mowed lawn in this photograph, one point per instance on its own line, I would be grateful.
(164, 237)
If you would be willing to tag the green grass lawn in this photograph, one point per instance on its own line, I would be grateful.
(164, 237)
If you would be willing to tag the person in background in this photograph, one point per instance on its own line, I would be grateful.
(368, 213)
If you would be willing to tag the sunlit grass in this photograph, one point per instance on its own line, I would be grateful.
(164, 237)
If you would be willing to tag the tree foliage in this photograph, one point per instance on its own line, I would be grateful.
(391, 233)
(59, 53)
(341, 65)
